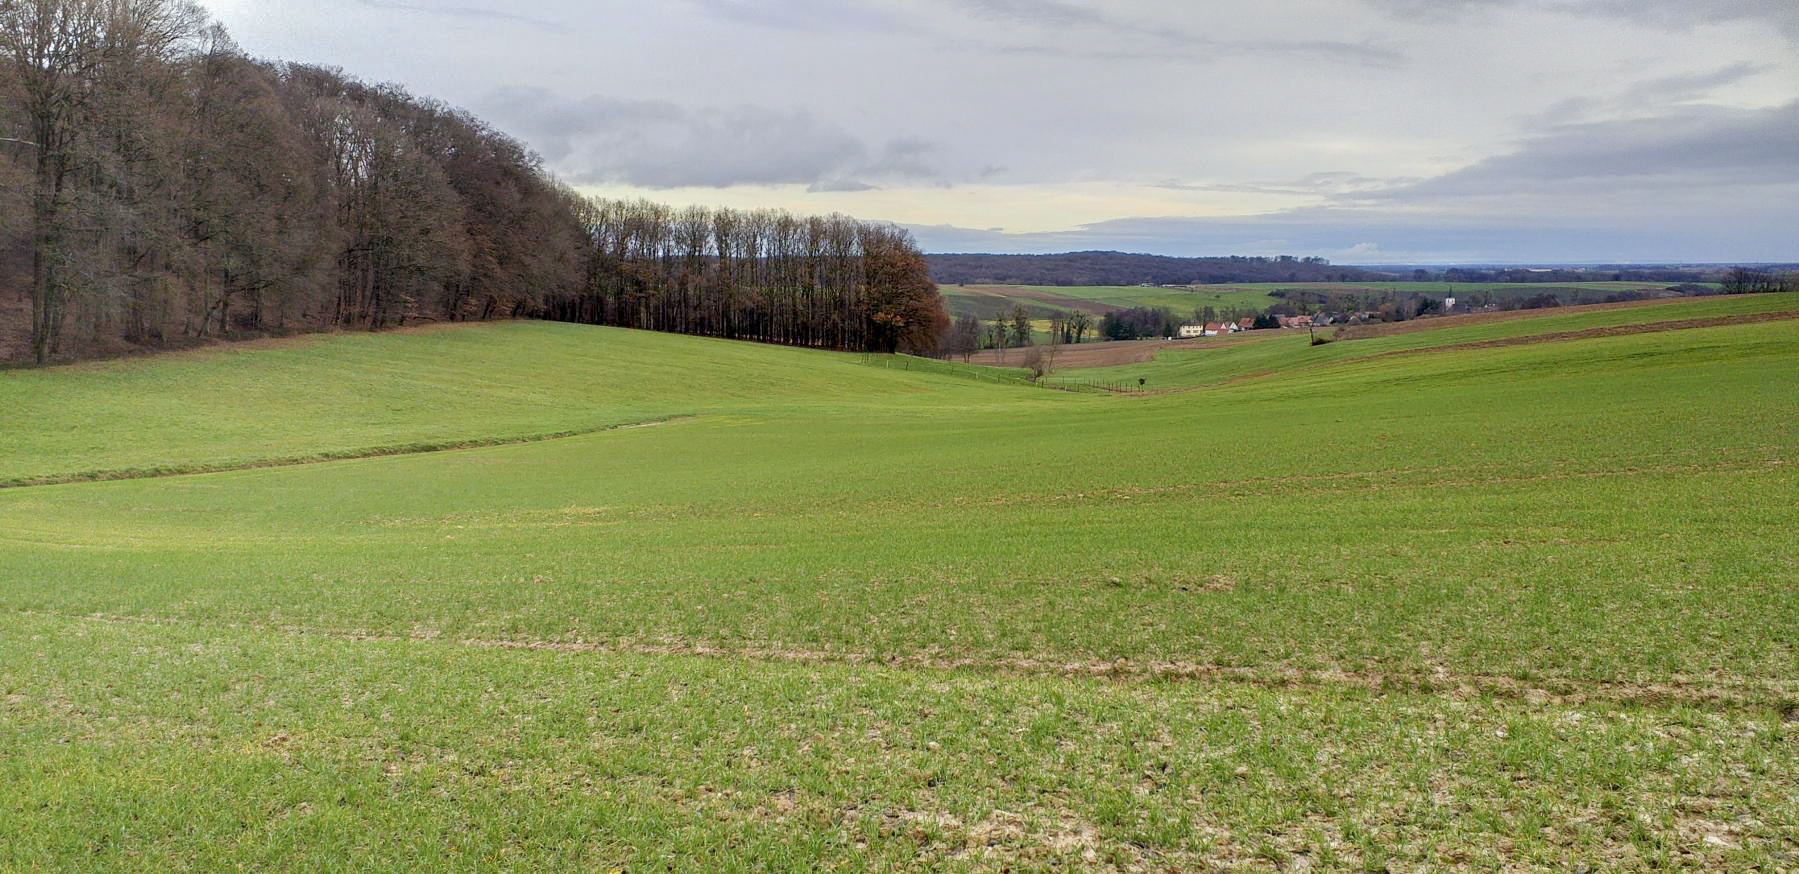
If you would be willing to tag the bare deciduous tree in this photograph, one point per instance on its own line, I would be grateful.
(65, 56)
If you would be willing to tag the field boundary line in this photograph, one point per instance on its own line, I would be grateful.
(390, 451)
(1711, 692)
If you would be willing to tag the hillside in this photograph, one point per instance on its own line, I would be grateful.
(362, 394)
(1259, 354)
(1471, 606)
(1119, 268)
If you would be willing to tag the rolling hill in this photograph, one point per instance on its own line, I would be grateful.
(1469, 606)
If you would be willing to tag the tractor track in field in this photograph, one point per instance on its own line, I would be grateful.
(426, 448)
(1780, 696)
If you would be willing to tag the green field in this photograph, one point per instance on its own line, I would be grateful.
(990, 301)
(1263, 353)
(1044, 301)
(1521, 607)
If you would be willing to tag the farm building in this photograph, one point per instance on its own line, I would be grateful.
(1189, 332)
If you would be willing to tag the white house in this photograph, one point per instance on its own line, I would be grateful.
(1189, 332)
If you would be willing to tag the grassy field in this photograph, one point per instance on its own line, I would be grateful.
(1531, 606)
(1044, 301)
(1266, 353)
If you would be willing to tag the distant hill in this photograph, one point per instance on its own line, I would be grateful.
(1119, 268)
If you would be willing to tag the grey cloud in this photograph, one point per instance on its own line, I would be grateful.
(470, 12)
(1046, 13)
(805, 15)
(657, 144)
(1196, 50)
(1783, 15)
(1658, 93)
(1153, 41)
(1329, 183)
(1701, 183)
(906, 157)
(1681, 14)
(1697, 147)
(1130, 40)
(839, 185)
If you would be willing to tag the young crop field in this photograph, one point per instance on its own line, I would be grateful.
(1422, 601)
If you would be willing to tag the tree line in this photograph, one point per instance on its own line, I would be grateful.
(158, 187)
(765, 275)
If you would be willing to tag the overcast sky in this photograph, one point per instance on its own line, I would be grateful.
(1365, 131)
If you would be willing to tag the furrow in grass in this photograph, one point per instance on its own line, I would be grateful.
(1709, 692)
(390, 451)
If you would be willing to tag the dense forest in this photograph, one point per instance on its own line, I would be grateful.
(1119, 268)
(763, 275)
(159, 188)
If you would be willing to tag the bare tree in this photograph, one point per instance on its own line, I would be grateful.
(62, 54)
(1078, 325)
(1742, 280)
(1021, 326)
(964, 338)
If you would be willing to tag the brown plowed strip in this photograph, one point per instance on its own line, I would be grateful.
(1742, 693)
(1592, 333)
